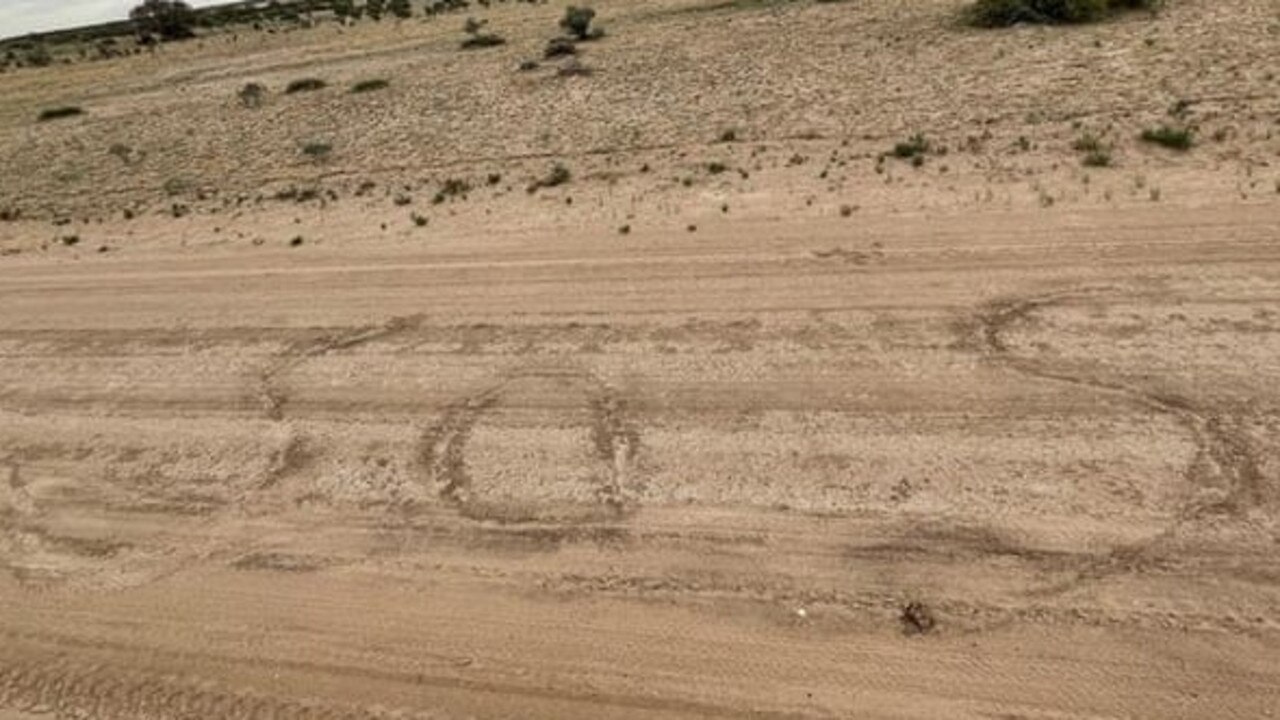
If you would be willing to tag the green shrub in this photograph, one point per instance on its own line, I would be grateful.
(365, 86)
(577, 22)
(344, 8)
(317, 150)
(58, 113)
(451, 188)
(304, 85)
(1004, 13)
(39, 56)
(1096, 152)
(915, 147)
(401, 9)
(170, 19)
(477, 38)
(252, 94)
(1170, 137)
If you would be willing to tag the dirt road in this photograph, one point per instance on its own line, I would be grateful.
(657, 383)
(696, 475)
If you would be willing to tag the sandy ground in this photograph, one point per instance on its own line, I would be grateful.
(819, 436)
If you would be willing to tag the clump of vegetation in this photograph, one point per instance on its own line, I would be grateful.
(577, 22)
(451, 188)
(559, 175)
(374, 85)
(916, 145)
(345, 9)
(167, 19)
(1096, 152)
(1097, 158)
(1171, 137)
(419, 220)
(317, 150)
(401, 9)
(559, 47)
(58, 113)
(304, 85)
(252, 95)
(716, 167)
(729, 136)
(39, 56)
(914, 149)
(528, 65)
(477, 37)
(1005, 13)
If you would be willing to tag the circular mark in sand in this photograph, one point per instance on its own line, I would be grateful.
(550, 444)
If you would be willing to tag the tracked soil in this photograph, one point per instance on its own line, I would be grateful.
(815, 434)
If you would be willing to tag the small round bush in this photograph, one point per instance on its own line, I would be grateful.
(577, 21)
(252, 95)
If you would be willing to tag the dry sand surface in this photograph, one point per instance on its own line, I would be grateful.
(819, 435)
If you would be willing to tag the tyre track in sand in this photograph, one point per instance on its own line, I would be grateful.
(26, 535)
(1225, 457)
(267, 381)
(615, 442)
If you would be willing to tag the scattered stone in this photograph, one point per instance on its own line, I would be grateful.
(917, 619)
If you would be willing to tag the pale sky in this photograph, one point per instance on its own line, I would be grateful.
(19, 17)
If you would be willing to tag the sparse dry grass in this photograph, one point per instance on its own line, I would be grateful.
(437, 96)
